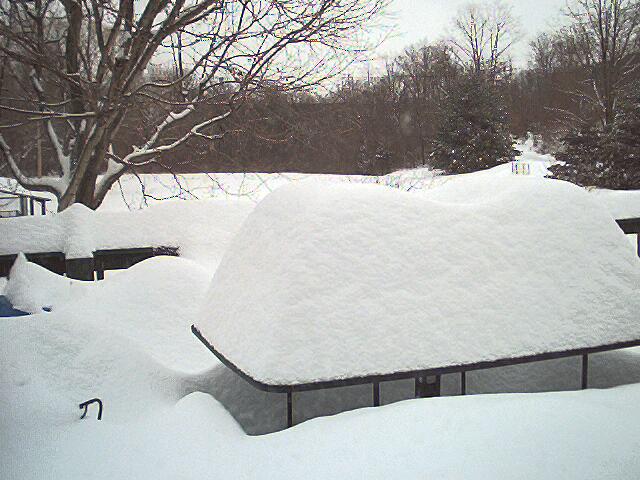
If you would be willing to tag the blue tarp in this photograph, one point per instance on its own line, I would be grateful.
(7, 310)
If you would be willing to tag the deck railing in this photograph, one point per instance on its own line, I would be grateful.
(27, 204)
(631, 226)
(90, 268)
(93, 268)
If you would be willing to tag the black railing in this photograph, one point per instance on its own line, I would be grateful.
(27, 202)
(92, 267)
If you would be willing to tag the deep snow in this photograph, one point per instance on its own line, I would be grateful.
(171, 409)
(332, 281)
(201, 230)
(163, 418)
(584, 436)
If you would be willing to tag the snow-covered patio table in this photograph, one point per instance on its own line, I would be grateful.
(333, 284)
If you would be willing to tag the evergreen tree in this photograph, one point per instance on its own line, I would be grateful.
(605, 157)
(473, 132)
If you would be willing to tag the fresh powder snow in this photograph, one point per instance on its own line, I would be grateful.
(172, 410)
(201, 230)
(170, 406)
(333, 281)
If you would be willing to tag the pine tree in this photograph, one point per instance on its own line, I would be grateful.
(473, 133)
(626, 165)
(605, 157)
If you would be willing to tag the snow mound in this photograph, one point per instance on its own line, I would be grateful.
(162, 295)
(52, 362)
(32, 288)
(335, 281)
(125, 340)
(152, 304)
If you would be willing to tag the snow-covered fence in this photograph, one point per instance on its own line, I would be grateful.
(79, 241)
(117, 259)
(88, 268)
(17, 204)
(53, 261)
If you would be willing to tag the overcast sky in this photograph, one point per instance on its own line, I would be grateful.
(429, 20)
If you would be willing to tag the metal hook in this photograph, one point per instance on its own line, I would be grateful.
(86, 404)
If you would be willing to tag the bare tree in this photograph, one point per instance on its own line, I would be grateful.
(81, 70)
(544, 53)
(425, 72)
(604, 38)
(484, 35)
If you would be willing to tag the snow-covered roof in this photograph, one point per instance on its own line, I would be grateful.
(333, 281)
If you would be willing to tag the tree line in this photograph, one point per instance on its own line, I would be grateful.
(456, 106)
(83, 91)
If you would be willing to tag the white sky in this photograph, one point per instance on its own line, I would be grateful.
(429, 20)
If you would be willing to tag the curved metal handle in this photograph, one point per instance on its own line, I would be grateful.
(86, 404)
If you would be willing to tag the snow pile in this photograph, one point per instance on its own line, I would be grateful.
(330, 281)
(52, 362)
(152, 304)
(199, 229)
(126, 340)
(32, 288)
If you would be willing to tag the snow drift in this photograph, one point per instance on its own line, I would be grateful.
(201, 230)
(151, 304)
(126, 340)
(332, 281)
(32, 288)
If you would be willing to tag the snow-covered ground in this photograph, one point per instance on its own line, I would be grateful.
(170, 407)
(173, 411)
